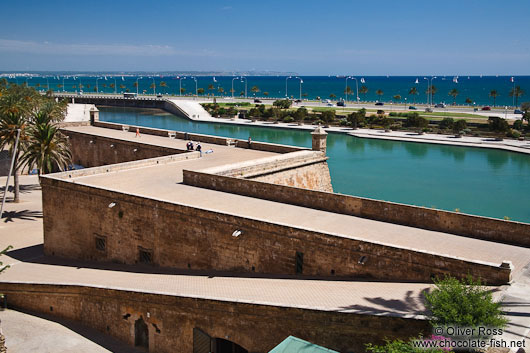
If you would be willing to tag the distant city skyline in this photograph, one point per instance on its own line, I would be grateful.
(467, 37)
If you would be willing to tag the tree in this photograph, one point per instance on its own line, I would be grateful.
(498, 124)
(413, 91)
(266, 94)
(447, 123)
(459, 125)
(379, 93)
(254, 89)
(525, 107)
(112, 85)
(122, 86)
(357, 118)
(182, 90)
(163, 84)
(200, 91)
(494, 94)
(211, 87)
(348, 91)
(300, 114)
(282, 103)
(332, 96)
(415, 120)
(468, 100)
(328, 116)
(517, 92)
(221, 90)
(363, 90)
(453, 93)
(152, 86)
(16, 104)
(397, 97)
(47, 148)
(431, 91)
(135, 84)
(465, 303)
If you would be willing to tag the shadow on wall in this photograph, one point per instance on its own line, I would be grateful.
(5, 162)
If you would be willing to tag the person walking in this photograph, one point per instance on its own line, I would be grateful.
(137, 133)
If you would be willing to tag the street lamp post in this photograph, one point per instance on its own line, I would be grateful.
(244, 78)
(235, 78)
(115, 86)
(429, 90)
(137, 85)
(180, 84)
(154, 86)
(63, 84)
(10, 171)
(286, 85)
(97, 87)
(301, 81)
(356, 87)
(196, 87)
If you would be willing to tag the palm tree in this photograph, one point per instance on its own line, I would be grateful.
(397, 97)
(221, 90)
(468, 100)
(135, 84)
(266, 94)
(59, 86)
(163, 84)
(332, 96)
(348, 90)
(153, 87)
(122, 86)
(254, 89)
(200, 91)
(112, 85)
(517, 92)
(453, 93)
(494, 94)
(47, 148)
(432, 91)
(363, 90)
(211, 87)
(413, 91)
(379, 93)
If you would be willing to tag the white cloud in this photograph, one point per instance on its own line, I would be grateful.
(17, 46)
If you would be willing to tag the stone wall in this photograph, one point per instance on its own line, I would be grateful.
(91, 150)
(179, 236)
(492, 229)
(260, 146)
(312, 177)
(171, 319)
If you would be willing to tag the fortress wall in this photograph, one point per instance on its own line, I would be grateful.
(257, 328)
(92, 150)
(260, 146)
(492, 229)
(178, 236)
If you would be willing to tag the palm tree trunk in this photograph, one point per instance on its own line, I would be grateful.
(16, 182)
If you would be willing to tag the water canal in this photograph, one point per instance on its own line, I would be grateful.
(484, 182)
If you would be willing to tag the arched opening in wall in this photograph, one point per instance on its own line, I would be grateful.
(141, 334)
(225, 346)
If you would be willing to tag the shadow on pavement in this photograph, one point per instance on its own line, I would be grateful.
(104, 340)
(24, 215)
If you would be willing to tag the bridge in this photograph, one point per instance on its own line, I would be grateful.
(180, 107)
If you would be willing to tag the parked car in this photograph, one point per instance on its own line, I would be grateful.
(518, 111)
(411, 107)
(257, 101)
(341, 104)
(159, 95)
(298, 101)
(486, 108)
(440, 105)
(326, 101)
(379, 103)
(330, 104)
(428, 110)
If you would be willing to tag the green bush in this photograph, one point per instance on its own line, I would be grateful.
(459, 125)
(513, 134)
(282, 103)
(300, 114)
(465, 303)
(518, 125)
(415, 120)
(288, 119)
(328, 116)
(399, 346)
(498, 124)
(447, 123)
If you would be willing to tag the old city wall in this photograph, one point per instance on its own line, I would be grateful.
(303, 169)
(171, 319)
(91, 150)
(451, 222)
(179, 236)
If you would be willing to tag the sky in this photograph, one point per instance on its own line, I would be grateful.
(384, 37)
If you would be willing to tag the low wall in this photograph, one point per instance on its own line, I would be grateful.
(91, 150)
(217, 140)
(497, 230)
(179, 236)
(172, 319)
(303, 169)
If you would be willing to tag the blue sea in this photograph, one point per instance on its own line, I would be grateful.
(476, 88)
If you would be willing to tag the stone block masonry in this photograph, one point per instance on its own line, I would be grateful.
(92, 150)
(171, 320)
(111, 226)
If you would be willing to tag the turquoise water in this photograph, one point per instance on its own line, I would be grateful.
(475, 88)
(478, 181)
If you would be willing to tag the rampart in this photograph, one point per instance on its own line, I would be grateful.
(171, 320)
(497, 230)
(106, 225)
(91, 150)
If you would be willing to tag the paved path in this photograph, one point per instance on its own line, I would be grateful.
(32, 332)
